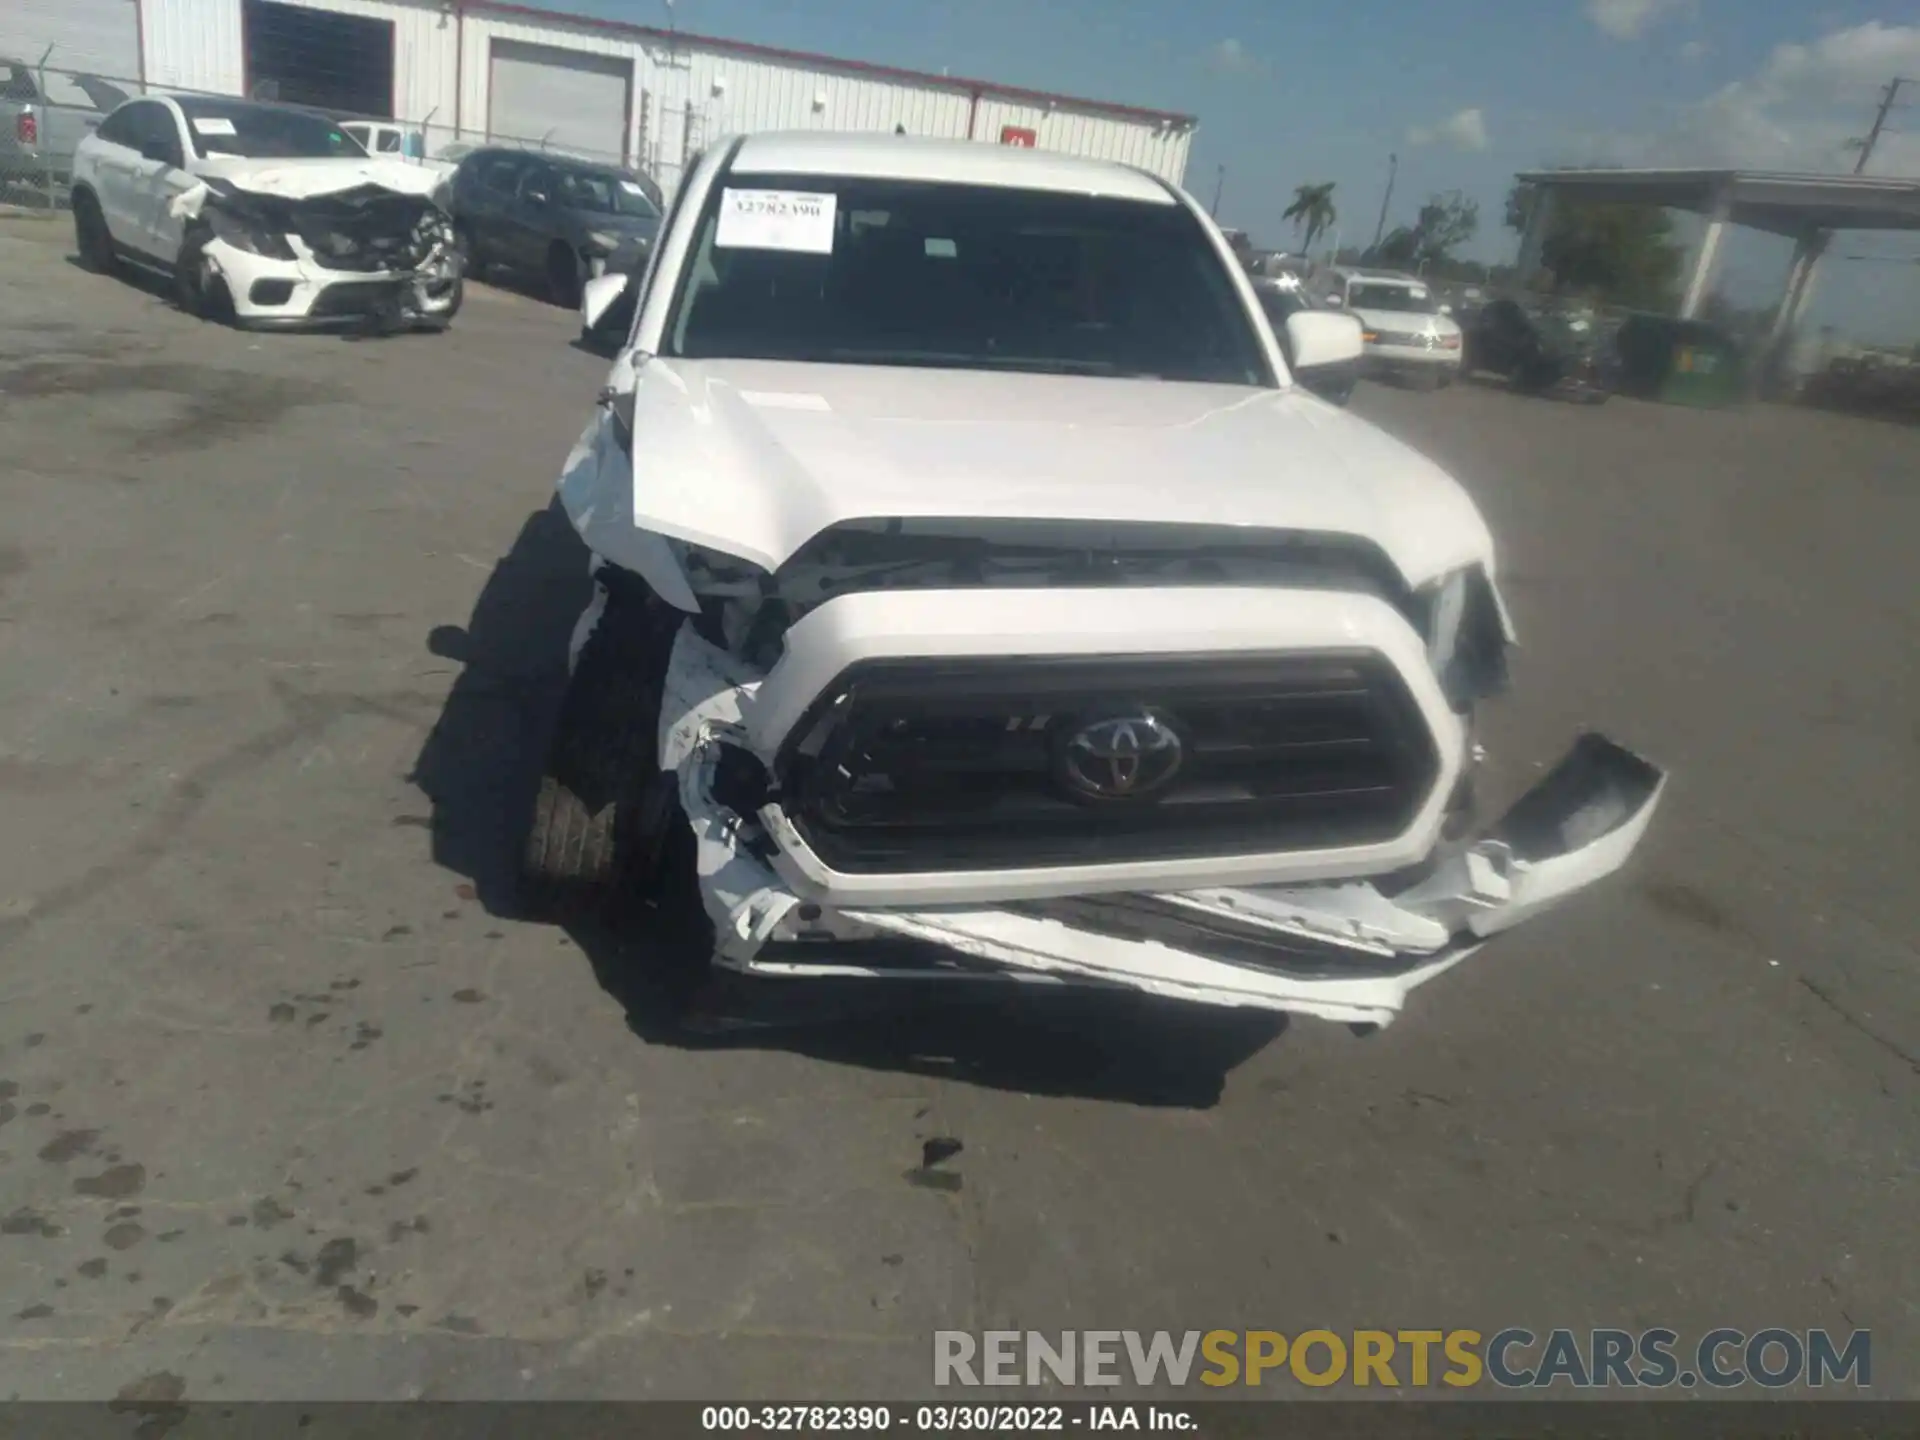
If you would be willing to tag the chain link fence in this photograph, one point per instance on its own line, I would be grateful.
(47, 109)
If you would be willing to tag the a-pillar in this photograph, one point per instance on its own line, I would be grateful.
(1719, 214)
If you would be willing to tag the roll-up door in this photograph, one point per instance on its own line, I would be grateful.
(564, 100)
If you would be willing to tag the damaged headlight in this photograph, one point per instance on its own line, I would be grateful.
(1466, 636)
(247, 235)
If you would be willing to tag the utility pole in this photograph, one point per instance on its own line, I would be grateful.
(1219, 184)
(1887, 97)
(1393, 166)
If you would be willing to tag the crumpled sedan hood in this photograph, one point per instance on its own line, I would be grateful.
(304, 179)
(754, 458)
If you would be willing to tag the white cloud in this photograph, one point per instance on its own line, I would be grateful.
(1464, 130)
(1230, 57)
(1630, 19)
(1693, 50)
(1796, 112)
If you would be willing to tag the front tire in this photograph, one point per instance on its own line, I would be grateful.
(456, 296)
(92, 239)
(467, 244)
(200, 291)
(604, 807)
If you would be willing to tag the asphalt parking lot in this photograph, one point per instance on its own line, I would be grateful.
(290, 1106)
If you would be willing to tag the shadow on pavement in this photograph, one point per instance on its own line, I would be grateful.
(480, 769)
(480, 764)
(147, 282)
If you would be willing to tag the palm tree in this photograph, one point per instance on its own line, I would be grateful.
(1312, 211)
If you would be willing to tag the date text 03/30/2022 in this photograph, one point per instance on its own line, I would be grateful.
(943, 1419)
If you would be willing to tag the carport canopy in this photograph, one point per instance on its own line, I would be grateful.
(1806, 208)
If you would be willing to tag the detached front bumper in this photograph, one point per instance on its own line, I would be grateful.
(271, 293)
(1350, 950)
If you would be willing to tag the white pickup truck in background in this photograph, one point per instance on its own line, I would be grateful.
(44, 115)
(406, 142)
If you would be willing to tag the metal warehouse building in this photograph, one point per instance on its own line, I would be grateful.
(479, 71)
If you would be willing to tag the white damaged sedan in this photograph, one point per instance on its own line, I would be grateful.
(266, 215)
(980, 592)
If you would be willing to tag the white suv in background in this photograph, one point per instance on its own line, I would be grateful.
(1407, 335)
(266, 215)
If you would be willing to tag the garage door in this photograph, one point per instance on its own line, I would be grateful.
(94, 37)
(563, 99)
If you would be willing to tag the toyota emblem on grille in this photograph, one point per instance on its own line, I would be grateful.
(1120, 757)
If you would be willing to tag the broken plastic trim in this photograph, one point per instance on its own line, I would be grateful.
(1341, 951)
(367, 230)
(1467, 634)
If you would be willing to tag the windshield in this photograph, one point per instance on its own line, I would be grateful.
(263, 132)
(889, 272)
(605, 192)
(1390, 297)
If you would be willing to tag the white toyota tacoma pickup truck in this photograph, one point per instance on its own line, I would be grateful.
(977, 593)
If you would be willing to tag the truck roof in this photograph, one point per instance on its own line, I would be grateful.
(957, 162)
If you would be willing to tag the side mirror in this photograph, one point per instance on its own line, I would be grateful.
(598, 296)
(156, 150)
(1318, 340)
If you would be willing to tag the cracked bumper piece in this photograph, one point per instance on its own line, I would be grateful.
(1349, 950)
(271, 293)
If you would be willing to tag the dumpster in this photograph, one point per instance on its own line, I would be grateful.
(1679, 362)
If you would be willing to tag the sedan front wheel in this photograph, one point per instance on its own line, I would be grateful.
(199, 288)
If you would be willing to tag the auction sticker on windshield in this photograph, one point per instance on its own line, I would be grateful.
(796, 220)
(213, 125)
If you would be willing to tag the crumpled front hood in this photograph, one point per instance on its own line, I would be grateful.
(304, 179)
(754, 458)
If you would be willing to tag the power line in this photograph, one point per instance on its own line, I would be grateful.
(1887, 97)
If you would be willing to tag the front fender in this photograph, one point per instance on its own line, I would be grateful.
(596, 491)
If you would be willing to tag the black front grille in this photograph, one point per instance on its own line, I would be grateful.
(964, 764)
(358, 297)
(369, 257)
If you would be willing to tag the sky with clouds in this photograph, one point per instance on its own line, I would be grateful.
(1465, 92)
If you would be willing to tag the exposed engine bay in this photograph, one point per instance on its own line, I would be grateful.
(369, 251)
(367, 229)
